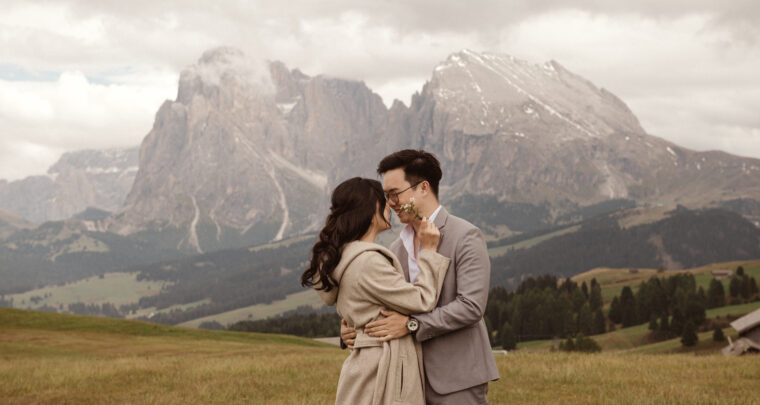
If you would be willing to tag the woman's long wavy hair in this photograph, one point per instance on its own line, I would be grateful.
(353, 205)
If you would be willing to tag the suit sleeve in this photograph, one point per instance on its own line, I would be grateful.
(386, 285)
(473, 273)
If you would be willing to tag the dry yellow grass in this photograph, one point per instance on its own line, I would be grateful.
(58, 359)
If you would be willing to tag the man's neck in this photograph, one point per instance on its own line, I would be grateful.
(426, 213)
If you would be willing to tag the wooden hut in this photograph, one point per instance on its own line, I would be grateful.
(748, 327)
(722, 274)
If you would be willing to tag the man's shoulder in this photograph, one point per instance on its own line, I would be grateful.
(460, 225)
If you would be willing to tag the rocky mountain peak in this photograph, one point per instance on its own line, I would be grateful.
(78, 180)
(493, 93)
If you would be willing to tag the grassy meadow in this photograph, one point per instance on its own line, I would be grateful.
(56, 359)
(262, 311)
(116, 288)
(612, 280)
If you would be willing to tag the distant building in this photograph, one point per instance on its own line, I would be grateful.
(722, 274)
(748, 327)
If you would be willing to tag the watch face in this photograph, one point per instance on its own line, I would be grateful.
(412, 325)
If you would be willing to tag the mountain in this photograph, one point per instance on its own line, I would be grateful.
(246, 154)
(81, 179)
(675, 240)
(249, 150)
(542, 134)
(10, 223)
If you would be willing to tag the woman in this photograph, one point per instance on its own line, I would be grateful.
(350, 269)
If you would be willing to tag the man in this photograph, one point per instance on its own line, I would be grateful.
(456, 350)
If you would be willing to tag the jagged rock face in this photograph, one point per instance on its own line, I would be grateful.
(537, 134)
(249, 151)
(246, 152)
(10, 222)
(82, 179)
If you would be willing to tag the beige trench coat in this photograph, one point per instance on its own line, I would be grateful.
(371, 278)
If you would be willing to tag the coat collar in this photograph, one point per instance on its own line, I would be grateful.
(441, 218)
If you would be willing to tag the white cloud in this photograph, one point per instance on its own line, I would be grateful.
(687, 68)
(41, 120)
(685, 78)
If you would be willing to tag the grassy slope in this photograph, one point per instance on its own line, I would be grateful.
(51, 358)
(633, 338)
(262, 311)
(613, 280)
(500, 250)
(116, 288)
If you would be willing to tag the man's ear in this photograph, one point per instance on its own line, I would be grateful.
(426, 186)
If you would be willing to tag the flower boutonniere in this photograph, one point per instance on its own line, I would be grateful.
(411, 209)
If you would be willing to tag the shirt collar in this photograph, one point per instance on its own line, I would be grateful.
(407, 234)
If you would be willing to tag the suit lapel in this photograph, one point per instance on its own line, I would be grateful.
(403, 258)
(440, 222)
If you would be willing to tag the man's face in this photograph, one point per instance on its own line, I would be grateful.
(394, 181)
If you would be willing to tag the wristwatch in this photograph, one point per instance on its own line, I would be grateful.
(412, 324)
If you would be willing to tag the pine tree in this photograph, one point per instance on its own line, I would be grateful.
(716, 294)
(615, 314)
(595, 298)
(677, 322)
(628, 307)
(653, 322)
(718, 335)
(600, 324)
(585, 320)
(664, 326)
(689, 336)
(508, 337)
(746, 287)
(735, 287)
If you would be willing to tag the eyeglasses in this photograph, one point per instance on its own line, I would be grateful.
(393, 197)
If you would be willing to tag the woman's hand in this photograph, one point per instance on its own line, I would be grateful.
(347, 334)
(428, 235)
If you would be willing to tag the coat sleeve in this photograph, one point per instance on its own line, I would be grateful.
(384, 284)
(473, 273)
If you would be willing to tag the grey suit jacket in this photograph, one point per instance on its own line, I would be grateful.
(455, 346)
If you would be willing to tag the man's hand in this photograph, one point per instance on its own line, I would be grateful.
(348, 334)
(393, 326)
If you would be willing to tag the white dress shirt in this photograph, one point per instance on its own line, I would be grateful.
(407, 237)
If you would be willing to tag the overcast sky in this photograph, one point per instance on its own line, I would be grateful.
(92, 74)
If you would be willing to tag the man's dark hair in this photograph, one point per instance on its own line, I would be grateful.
(418, 165)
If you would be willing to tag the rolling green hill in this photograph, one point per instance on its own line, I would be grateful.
(612, 280)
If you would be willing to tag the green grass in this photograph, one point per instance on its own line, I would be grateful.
(634, 337)
(152, 310)
(52, 358)
(116, 288)
(613, 280)
(500, 250)
(735, 310)
(262, 311)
